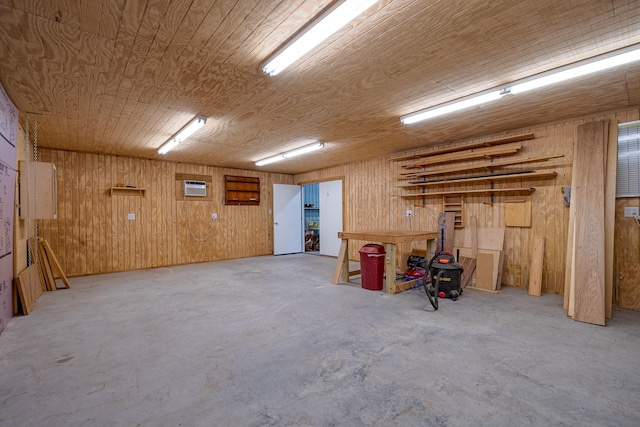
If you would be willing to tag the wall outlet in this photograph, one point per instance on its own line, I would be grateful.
(214, 216)
(631, 212)
(409, 212)
(131, 216)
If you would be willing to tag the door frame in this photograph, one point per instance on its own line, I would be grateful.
(318, 181)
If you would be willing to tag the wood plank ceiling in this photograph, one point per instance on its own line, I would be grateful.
(122, 76)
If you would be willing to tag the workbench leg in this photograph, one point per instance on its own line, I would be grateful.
(390, 267)
(342, 264)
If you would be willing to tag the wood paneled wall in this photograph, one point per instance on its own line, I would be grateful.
(627, 260)
(92, 234)
(372, 202)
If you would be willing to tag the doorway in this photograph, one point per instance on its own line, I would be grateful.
(311, 220)
(307, 218)
(322, 217)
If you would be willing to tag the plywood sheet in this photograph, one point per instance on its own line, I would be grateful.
(589, 269)
(497, 262)
(487, 238)
(484, 271)
(29, 288)
(517, 212)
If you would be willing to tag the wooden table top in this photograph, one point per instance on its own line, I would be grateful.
(388, 236)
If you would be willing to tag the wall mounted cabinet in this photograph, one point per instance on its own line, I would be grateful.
(241, 190)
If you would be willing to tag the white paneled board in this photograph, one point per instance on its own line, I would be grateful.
(8, 140)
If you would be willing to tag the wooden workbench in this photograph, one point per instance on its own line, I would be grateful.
(389, 239)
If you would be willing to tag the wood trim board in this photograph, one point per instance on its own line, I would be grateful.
(489, 143)
(535, 274)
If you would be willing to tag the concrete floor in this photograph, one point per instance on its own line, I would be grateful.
(270, 341)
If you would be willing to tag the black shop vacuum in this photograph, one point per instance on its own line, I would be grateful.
(446, 278)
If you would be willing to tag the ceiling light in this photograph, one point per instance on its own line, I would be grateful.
(578, 69)
(450, 107)
(582, 68)
(329, 23)
(184, 133)
(292, 153)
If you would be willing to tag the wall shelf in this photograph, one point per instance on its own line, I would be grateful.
(127, 191)
(241, 190)
(490, 143)
(526, 190)
(486, 178)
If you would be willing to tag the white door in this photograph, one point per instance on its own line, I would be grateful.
(287, 219)
(330, 217)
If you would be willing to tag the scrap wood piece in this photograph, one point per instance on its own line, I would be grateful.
(28, 291)
(55, 263)
(45, 266)
(469, 265)
(484, 290)
(409, 284)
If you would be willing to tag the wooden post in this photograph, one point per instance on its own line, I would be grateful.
(342, 263)
(390, 267)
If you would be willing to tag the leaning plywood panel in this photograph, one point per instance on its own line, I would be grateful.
(485, 271)
(589, 163)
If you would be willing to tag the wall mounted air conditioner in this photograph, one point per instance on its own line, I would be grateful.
(195, 188)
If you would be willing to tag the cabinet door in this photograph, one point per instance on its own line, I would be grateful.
(287, 219)
(330, 217)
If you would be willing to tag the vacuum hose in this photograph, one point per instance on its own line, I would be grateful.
(433, 299)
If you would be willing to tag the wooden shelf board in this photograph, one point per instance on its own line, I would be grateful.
(484, 175)
(475, 166)
(485, 178)
(471, 154)
(127, 190)
(483, 191)
(489, 143)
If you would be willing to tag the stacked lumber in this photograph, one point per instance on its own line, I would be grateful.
(38, 278)
(587, 297)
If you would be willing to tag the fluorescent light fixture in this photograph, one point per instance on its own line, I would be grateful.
(578, 69)
(451, 107)
(292, 153)
(184, 133)
(582, 68)
(329, 23)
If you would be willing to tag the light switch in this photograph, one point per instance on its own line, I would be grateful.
(131, 216)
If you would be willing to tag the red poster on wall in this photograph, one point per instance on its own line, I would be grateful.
(8, 133)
